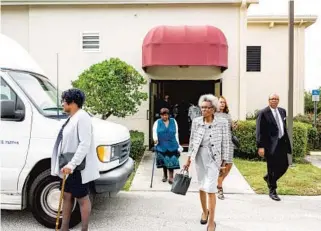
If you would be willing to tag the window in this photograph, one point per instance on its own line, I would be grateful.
(90, 41)
(40, 92)
(6, 93)
(253, 59)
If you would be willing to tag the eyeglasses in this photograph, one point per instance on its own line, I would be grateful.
(276, 99)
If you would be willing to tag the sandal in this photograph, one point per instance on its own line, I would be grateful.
(170, 181)
(204, 222)
(220, 194)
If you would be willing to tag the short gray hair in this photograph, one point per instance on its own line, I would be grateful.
(209, 98)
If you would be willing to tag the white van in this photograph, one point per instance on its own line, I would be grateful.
(29, 126)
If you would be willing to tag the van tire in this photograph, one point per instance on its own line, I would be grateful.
(47, 217)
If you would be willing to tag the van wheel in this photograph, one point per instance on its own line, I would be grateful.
(44, 201)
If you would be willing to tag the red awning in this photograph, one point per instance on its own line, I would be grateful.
(185, 46)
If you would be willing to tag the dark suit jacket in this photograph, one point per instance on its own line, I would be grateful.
(267, 131)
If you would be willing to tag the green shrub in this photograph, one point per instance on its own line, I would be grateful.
(300, 140)
(137, 145)
(314, 133)
(112, 87)
(313, 137)
(246, 133)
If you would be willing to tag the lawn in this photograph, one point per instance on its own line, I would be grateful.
(131, 177)
(303, 179)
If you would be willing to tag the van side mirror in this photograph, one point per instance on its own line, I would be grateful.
(8, 110)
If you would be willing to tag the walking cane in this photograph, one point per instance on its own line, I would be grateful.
(151, 181)
(60, 201)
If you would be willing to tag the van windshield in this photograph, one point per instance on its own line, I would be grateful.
(40, 91)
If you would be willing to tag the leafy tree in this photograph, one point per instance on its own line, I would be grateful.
(309, 104)
(112, 87)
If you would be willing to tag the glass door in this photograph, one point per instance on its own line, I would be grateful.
(152, 112)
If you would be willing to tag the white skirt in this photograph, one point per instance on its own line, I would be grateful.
(207, 171)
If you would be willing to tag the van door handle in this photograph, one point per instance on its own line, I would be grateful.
(147, 114)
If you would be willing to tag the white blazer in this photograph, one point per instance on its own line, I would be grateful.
(219, 138)
(78, 138)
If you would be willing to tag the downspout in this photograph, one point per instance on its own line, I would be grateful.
(242, 51)
(299, 68)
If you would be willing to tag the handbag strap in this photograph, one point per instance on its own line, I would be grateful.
(61, 132)
(183, 172)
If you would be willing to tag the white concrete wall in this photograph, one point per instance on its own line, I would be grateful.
(58, 29)
(15, 24)
(274, 67)
(47, 30)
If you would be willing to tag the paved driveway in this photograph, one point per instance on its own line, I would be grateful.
(164, 211)
(157, 209)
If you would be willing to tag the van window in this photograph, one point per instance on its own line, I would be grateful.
(6, 93)
(40, 91)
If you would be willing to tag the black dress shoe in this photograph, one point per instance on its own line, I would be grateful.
(204, 222)
(274, 196)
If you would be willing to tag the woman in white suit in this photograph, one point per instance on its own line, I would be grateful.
(75, 136)
(208, 147)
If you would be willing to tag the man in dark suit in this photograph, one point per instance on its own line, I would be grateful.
(273, 143)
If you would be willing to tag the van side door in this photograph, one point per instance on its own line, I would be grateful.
(14, 134)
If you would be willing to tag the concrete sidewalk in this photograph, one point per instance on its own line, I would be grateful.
(314, 160)
(233, 184)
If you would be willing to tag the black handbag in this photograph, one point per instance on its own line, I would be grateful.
(181, 183)
(235, 141)
(65, 158)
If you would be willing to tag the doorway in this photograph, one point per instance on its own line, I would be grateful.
(182, 95)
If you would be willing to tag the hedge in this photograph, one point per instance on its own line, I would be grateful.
(314, 137)
(314, 133)
(137, 145)
(300, 140)
(246, 133)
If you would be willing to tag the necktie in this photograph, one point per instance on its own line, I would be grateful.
(277, 118)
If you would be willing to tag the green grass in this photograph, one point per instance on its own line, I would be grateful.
(304, 179)
(131, 177)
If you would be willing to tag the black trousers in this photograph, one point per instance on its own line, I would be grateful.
(277, 164)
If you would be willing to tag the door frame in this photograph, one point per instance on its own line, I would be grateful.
(220, 82)
(151, 111)
(159, 93)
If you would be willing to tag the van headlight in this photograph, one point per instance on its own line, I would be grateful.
(105, 153)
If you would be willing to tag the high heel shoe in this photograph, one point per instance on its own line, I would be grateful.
(214, 226)
(204, 222)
